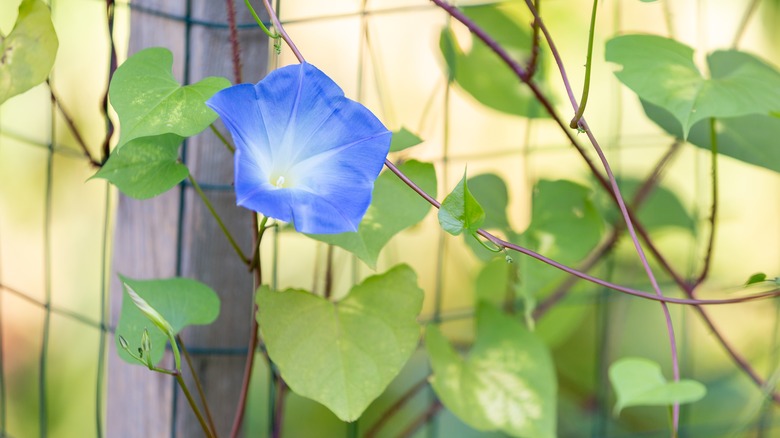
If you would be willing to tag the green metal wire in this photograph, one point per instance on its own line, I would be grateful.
(104, 269)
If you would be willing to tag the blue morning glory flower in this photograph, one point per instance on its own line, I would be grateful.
(304, 152)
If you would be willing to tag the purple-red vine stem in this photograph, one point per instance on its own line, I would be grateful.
(282, 32)
(254, 264)
(641, 253)
(235, 48)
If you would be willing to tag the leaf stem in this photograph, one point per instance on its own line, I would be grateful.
(256, 252)
(282, 32)
(588, 67)
(260, 23)
(194, 407)
(713, 208)
(485, 245)
(176, 353)
(230, 147)
(198, 385)
(221, 224)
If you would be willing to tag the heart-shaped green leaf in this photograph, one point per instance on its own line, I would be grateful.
(181, 301)
(384, 219)
(460, 212)
(403, 139)
(480, 72)
(639, 382)
(661, 71)
(343, 354)
(27, 53)
(145, 167)
(507, 382)
(149, 101)
(751, 139)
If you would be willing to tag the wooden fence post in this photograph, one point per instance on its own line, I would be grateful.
(174, 234)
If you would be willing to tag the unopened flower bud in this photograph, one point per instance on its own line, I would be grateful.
(149, 312)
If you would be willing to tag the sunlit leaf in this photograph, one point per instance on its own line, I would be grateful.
(27, 53)
(506, 383)
(403, 139)
(460, 212)
(181, 301)
(480, 72)
(149, 101)
(384, 219)
(661, 71)
(343, 354)
(639, 382)
(145, 167)
(751, 139)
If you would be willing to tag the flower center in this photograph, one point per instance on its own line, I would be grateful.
(282, 180)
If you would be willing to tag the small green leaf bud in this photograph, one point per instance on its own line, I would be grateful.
(146, 342)
(123, 343)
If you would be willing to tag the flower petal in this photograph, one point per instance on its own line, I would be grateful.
(304, 152)
(239, 109)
